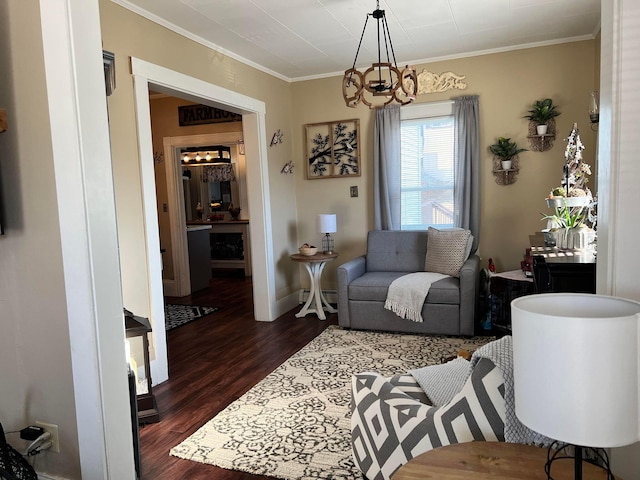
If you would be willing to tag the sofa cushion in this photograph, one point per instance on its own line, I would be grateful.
(396, 251)
(447, 251)
(373, 286)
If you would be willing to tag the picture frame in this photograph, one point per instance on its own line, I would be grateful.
(332, 149)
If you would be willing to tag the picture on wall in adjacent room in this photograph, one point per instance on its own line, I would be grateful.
(333, 149)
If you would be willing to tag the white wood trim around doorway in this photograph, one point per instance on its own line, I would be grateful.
(253, 111)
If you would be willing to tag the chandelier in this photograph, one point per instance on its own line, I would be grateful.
(381, 79)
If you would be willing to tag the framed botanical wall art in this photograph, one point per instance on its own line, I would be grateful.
(333, 149)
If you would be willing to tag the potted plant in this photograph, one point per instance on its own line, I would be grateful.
(541, 113)
(505, 150)
(567, 228)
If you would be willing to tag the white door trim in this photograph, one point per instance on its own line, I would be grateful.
(175, 83)
(77, 110)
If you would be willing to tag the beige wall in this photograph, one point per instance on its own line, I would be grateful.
(35, 361)
(129, 35)
(507, 83)
(164, 123)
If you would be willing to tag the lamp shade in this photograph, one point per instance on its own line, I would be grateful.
(327, 222)
(576, 367)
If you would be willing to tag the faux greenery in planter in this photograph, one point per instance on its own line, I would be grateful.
(505, 150)
(542, 112)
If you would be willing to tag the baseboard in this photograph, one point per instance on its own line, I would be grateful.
(286, 304)
(169, 288)
(45, 476)
(330, 295)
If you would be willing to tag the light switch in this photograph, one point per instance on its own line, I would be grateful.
(354, 191)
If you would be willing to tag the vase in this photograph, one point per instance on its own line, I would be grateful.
(506, 164)
(541, 129)
(562, 238)
(579, 237)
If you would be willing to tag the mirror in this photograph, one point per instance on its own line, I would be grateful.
(209, 176)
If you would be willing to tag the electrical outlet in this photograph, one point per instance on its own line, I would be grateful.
(55, 441)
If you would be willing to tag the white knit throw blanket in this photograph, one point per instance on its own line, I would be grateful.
(407, 294)
(501, 354)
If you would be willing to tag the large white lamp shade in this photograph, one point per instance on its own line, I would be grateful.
(576, 367)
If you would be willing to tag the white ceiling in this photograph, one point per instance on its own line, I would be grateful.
(300, 39)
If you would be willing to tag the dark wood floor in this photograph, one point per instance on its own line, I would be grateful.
(212, 362)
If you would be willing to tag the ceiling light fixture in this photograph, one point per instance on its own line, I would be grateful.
(381, 79)
(208, 155)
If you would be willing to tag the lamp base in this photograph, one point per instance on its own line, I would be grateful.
(595, 456)
(327, 243)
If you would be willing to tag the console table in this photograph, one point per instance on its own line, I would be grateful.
(491, 461)
(556, 270)
(315, 265)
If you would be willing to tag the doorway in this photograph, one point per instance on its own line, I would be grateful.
(149, 76)
(176, 256)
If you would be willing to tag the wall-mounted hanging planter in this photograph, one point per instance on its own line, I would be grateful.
(541, 142)
(505, 160)
(542, 125)
(506, 173)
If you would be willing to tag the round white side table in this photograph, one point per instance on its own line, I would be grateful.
(315, 265)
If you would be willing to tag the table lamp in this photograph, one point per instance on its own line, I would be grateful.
(327, 225)
(576, 373)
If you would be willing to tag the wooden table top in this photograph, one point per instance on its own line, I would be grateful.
(491, 461)
(318, 257)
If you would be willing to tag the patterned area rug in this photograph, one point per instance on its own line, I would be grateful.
(176, 315)
(295, 424)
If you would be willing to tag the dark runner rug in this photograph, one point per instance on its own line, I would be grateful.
(177, 315)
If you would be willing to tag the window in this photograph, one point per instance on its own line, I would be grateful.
(427, 173)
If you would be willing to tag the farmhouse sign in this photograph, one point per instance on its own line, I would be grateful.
(201, 114)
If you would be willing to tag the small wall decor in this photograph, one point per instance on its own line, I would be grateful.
(333, 149)
(158, 157)
(277, 138)
(429, 82)
(288, 168)
(204, 114)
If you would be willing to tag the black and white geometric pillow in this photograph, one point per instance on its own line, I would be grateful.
(389, 427)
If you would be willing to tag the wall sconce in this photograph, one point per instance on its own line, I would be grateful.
(594, 106)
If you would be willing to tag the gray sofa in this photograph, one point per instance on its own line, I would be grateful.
(363, 283)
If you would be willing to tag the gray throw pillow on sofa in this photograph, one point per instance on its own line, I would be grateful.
(447, 250)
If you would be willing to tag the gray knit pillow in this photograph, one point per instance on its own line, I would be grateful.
(446, 251)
